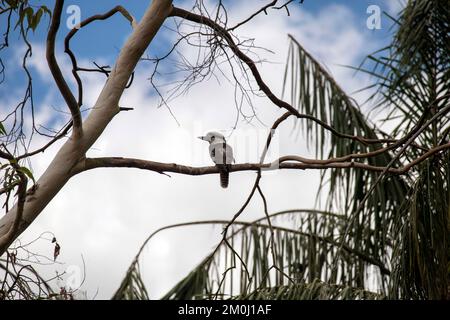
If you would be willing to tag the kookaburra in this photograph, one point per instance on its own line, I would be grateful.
(221, 154)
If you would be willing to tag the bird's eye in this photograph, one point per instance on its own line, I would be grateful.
(212, 138)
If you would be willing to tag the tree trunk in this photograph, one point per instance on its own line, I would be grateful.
(60, 169)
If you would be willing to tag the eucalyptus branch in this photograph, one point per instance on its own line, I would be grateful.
(84, 23)
(292, 162)
(56, 71)
(60, 135)
(413, 135)
(7, 238)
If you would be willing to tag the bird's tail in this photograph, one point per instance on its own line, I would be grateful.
(224, 176)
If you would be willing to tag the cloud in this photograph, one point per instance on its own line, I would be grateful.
(393, 7)
(106, 214)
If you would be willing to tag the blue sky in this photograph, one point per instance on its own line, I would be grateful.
(103, 40)
(105, 215)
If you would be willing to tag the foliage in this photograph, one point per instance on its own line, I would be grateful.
(27, 13)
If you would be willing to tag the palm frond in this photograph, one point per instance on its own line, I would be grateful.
(391, 229)
(132, 286)
(413, 71)
(256, 261)
(313, 91)
(422, 251)
(317, 290)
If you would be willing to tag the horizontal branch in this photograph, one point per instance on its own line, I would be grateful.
(286, 162)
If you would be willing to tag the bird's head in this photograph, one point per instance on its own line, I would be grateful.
(213, 136)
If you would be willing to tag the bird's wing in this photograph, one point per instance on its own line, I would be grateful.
(229, 155)
(221, 153)
(215, 152)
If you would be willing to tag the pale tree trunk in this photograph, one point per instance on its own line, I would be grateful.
(60, 169)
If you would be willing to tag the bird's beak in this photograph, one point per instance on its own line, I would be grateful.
(201, 138)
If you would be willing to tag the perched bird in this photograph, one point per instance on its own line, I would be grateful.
(221, 154)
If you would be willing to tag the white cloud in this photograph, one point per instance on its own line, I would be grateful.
(394, 6)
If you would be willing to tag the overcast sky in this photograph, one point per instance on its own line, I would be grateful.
(106, 214)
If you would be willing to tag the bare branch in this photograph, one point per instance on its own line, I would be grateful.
(263, 9)
(222, 32)
(286, 162)
(84, 23)
(60, 135)
(105, 109)
(56, 71)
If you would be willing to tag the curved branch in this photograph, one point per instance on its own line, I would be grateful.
(181, 13)
(56, 71)
(84, 23)
(104, 110)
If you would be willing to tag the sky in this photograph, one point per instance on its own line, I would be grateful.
(101, 217)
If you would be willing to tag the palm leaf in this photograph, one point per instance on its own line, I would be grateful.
(297, 256)
(314, 91)
(317, 290)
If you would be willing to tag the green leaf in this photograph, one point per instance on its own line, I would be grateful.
(27, 172)
(37, 19)
(26, 12)
(29, 12)
(46, 10)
